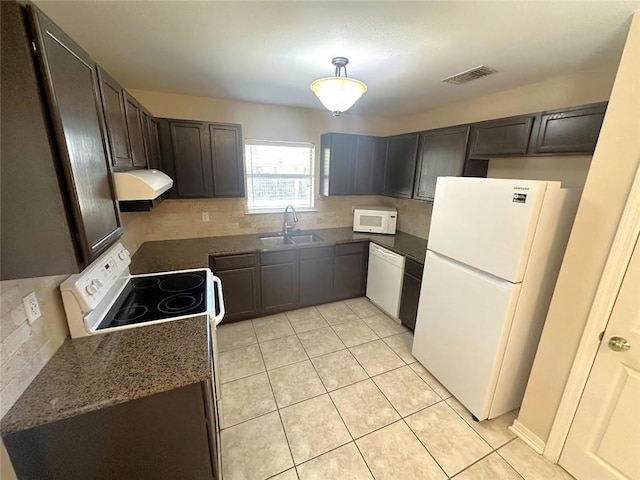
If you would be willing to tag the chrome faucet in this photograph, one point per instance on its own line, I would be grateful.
(285, 226)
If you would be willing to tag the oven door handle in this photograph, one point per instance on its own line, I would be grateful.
(218, 316)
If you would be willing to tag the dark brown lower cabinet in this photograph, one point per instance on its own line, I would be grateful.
(316, 275)
(350, 271)
(278, 280)
(411, 285)
(166, 435)
(240, 277)
(256, 284)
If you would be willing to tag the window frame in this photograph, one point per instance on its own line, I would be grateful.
(251, 209)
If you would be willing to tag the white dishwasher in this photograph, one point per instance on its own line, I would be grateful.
(384, 279)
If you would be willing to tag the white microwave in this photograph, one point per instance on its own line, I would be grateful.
(375, 220)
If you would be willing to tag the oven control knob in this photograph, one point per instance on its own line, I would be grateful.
(91, 289)
(96, 283)
(123, 255)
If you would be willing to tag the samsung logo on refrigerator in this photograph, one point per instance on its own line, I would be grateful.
(519, 197)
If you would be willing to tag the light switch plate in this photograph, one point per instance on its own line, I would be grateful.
(31, 306)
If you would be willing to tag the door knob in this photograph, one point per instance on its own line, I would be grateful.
(619, 344)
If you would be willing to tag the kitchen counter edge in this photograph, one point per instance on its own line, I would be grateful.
(99, 371)
(179, 254)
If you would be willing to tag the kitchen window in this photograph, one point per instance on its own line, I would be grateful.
(279, 174)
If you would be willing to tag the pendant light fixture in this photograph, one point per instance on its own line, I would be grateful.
(338, 93)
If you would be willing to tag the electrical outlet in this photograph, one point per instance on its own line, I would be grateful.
(205, 216)
(31, 307)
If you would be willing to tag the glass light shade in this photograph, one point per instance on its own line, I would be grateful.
(338, 94)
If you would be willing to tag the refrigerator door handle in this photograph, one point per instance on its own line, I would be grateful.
(501, 282)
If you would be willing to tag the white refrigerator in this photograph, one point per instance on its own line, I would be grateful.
(494, 251)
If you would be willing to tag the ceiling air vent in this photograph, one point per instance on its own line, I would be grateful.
(469, 75)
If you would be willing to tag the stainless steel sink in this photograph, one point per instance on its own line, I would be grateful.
(280, 239)
(275, 241)
(305, 238)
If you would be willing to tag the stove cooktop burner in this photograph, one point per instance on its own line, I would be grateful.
(181, 283)
(132, 312)
(158, 297)
(181, 302)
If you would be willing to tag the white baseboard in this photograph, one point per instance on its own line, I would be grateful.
(527, 436)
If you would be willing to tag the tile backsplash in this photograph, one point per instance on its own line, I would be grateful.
(174, 219)
(26, 347)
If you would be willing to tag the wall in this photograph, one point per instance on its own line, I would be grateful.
(581, 87)
(614, 164)
(570, 170)
(259, 121)
(27, 347)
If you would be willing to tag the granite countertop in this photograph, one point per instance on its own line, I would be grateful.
(99, 371)
(164, 255)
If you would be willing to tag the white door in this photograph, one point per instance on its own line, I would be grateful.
(464, 318)
(604, 440)
(487, 223)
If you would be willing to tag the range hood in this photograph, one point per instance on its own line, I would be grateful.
(138, 190)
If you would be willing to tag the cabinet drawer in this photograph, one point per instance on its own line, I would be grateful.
(275, 258)
(349, 248)
(316, 252)
(232, 262)
(413, 268)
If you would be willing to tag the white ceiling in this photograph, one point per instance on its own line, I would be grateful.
(269, 52)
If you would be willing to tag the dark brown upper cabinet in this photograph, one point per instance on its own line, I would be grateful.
(507, 136)
(115, 120)
(369, 165)
(151, 137)
(337, 157)
(72, 92)
(192, 159)
(572, 130)
(350, 164)
(134, 126)
(225, 143)
(400, 165)
(204, 159)
(33, 189)
(441, 153)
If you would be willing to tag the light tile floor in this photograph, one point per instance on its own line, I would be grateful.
(333, 392)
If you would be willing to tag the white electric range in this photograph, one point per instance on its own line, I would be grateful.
(105, 297)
